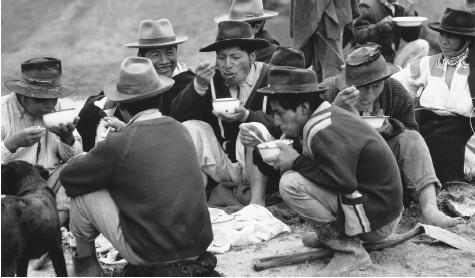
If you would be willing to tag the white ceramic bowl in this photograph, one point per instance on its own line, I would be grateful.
(53, 119)
(225, 105)
(269, 150)
(375, 121)
(409, 21)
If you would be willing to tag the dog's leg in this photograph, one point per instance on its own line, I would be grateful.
(22, 267)
(57, 257)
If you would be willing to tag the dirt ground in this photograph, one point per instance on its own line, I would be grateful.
(420, 256)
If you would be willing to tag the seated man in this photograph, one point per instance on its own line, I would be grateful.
(235, 74)
(142, 191)
(158, 42)
(24, 136)
(346, 169)
(373, 92)
(252, 12)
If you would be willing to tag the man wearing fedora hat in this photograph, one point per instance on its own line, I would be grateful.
(143, 192)
(252, 12)
(234, 74)
(345, 167)
(366, 88)
(158, 42)
(24, 136)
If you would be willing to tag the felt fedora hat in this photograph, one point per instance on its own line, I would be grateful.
(288, 57)
(456, 22)
(41, 78)
(364, 65)
(291, 80)
(235, 33)
(156, 33)
(246, 10)
(137, 80)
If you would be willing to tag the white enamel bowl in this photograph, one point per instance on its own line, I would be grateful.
(269, 150)
(409, 21)
(53, 119)
(225, 105)
(375, 121)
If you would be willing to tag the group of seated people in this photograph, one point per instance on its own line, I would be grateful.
(146, 156)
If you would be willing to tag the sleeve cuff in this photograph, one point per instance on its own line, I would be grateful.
(200, 90)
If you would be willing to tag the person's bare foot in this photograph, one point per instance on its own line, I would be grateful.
(437, 218)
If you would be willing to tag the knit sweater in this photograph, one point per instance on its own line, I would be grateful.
(394, 100)
(156, 183)
(342, 153)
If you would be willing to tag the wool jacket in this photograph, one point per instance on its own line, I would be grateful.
(189, 104)
(395, 102)
(344, 154)
(90, 115)
(156, 183)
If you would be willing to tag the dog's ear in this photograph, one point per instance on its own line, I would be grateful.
(43, 172)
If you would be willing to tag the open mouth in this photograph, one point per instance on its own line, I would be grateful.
(163, 69)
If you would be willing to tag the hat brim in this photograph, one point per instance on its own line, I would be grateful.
(247, 43)
(178, 40)
(39, 91)
(110, 90)
(269, 91)
(436, 27)
(264, 16)
(340, 80)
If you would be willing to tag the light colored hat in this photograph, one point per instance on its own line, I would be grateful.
(41, 78)
(246, 10)
(157, 33)
(137, 80)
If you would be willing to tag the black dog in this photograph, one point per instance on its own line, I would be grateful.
(30, 225)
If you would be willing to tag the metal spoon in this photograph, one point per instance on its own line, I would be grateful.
(255, 136)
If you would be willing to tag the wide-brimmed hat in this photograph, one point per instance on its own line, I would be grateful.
(157, 33)
(246, 10)
(364, 65)
(291, 80)
(235, 33)
(137, 80)
(456, 22)
(285, 56)
(41, 78)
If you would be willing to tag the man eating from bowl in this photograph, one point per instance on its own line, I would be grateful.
(24, 136)
(366, 88)
(345, 181)
(235, 74)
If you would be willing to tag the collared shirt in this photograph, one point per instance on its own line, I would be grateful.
(180, 67)
(50, 150)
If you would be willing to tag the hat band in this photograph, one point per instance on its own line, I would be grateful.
(296, 87)
(157, 40)
(49, 82)
(458, 29)
(246, 15)
(133, 89)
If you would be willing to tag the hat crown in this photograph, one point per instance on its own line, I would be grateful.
(363, 54)
(292, 80)
(458, 20)
(234, 30)
(288, 56)
(137, 76)
(241, 9)
(150, 29)
(42, 71)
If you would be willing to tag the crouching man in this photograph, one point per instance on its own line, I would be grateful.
(141, 187)
(346, 182)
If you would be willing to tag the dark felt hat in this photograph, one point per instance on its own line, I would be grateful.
(41, 78)
(364, 65)
(235, 33)
(288, 56)
(290, 80)
(456, 22)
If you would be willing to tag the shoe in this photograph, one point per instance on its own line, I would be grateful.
(349, 255)
(86, 266)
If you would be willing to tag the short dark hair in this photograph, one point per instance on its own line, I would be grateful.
(136, 107)
(292, 101)
(143, 51)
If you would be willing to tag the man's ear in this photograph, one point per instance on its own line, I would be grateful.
(305, 108)
(252, 56)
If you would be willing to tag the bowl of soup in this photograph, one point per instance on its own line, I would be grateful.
(225, 105)
(375, 121)
(53, 119)
(269, 150)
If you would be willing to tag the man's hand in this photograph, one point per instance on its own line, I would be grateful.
(286, 157)
(204, 72)
(387, 24)
(246, 138)
(24, 138)
(386, 128)
(347, 99)
(114, 123)
(231, 117)
(65, 132)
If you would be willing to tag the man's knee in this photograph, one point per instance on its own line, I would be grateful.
(289, 184)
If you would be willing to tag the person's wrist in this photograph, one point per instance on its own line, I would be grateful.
(68, 139)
